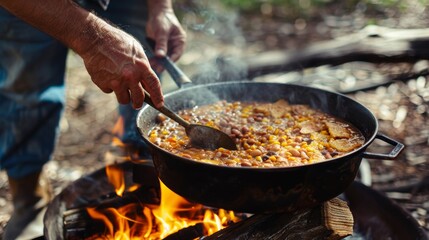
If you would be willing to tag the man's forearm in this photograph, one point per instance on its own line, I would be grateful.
(62, 19)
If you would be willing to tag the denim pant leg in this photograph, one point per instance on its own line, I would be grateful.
(32, 67)
(130, 16)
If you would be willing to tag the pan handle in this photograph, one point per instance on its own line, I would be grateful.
(398, 147)
(175, 72)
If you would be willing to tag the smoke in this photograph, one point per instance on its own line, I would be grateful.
(215, 43)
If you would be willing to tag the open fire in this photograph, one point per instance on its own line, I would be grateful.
(150, 221)
(138, 220)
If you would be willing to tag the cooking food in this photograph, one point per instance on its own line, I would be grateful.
(267, 134)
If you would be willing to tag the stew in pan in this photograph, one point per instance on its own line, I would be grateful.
(275, 134)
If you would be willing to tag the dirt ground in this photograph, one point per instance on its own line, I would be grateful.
(85, 142)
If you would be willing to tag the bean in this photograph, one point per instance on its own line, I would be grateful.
(255, 152)
(246, 164)
(245, 130)
(295, 152)
(236, 132)
(273, 147)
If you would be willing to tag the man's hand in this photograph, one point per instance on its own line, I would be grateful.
(117, 62)
(164, 27)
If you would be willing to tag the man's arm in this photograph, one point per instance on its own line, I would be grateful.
(114, 59)
(53, 17)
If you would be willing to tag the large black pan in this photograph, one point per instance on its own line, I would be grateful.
(247, 189)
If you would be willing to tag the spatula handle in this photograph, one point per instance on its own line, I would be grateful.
(166, 111)
(175, 72)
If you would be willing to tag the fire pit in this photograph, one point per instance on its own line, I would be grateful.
(375, 216)
(91, 208)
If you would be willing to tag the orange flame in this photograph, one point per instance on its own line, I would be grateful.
(175, 213)
(139, 221)
(115, 174)
(116, 178)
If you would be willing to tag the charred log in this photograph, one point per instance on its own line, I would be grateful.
(331, 220)
(190, 233)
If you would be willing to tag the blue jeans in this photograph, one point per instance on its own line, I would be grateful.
(32, 96)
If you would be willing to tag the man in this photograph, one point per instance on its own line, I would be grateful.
(32, 65)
